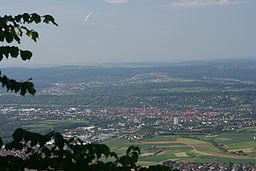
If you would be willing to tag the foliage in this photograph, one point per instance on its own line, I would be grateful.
(12, 29)
(52, 151)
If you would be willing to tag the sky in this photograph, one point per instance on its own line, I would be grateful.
(132, 31)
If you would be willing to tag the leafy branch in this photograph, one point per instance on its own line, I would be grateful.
(53, 152)
(12, 28)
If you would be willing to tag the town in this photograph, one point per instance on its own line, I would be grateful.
(100, 124)
(196, 123)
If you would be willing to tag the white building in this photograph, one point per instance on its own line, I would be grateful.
(176, 121)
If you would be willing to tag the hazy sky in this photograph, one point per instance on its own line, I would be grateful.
(103, 31)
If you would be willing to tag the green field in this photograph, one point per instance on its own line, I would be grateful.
(209, 148)
(49, 125)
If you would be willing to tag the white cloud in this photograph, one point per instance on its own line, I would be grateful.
(198, 3)
(116, 1)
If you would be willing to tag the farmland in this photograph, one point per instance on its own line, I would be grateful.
(49, 125)
(238, 147)
(170, 114)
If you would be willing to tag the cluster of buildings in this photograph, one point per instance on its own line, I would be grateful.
(196, 166)
(131, 123)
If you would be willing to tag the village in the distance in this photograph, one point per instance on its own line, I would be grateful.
(180, 114)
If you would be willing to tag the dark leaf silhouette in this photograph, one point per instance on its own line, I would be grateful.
(53, 152)
(11, 31)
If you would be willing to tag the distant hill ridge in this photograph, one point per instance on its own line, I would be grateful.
(244, 70)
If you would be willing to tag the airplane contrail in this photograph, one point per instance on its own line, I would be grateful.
(88, 16)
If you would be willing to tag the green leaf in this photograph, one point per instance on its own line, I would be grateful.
(14, 51)
(26, 17)
(34, 35)
(98, 150)
(133, 148)
(113, 154)
(105, 150)
(134, 157)
(18, 18)
(8, 37)
(48, 19)
(14, 85)
(59, 140)
(125, 161)
(129, 149)
(137, 149)
(30, 87)
(17, 38)
(23, 91)
(4, 51)
(8, 146)
(32, 90)
(1, 35)
(36, 18)
(25, 54)
(18, 134)
(12, 29)
(17, 145)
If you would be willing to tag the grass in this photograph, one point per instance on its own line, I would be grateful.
(191, 141)
(241, 139)
(181, 154)
(223, 139)
(161, 148)
(235, 137)
(248, 129)
(49, 125)
(161, 138)
(246, 144)
(155, 158)
(245, 150)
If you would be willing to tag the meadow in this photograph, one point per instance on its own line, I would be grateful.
(237, 147)
(46, 126)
